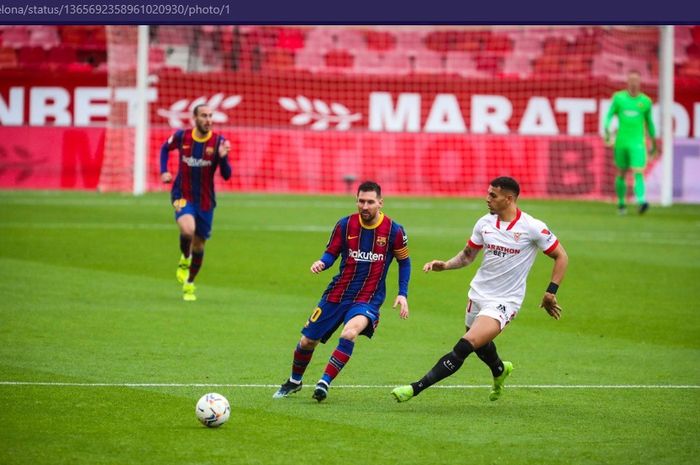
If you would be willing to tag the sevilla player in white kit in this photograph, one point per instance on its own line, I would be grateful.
(510, 239)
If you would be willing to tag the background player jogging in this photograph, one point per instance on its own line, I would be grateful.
(510, 239)
(633, 110)
(201, 151)
(366, 243)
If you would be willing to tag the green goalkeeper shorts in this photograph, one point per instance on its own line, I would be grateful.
(630, 156)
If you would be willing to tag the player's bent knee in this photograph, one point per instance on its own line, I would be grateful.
(477, 341)
(349, 334)
(307, 343)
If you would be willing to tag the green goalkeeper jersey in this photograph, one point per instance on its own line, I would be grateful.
(632, 113)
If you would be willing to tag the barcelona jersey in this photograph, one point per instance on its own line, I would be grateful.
(198, 160)
(365, 255)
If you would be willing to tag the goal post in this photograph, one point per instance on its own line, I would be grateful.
(666, 94)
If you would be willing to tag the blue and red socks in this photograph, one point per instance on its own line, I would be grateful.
(302, 357)
(339, 358)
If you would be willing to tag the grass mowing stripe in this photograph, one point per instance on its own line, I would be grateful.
(571, 235)
(359, 386)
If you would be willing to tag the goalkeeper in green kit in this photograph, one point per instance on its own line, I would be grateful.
(633, 110)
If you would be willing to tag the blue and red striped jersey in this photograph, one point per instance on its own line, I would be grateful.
(366, 253)
(198, 160)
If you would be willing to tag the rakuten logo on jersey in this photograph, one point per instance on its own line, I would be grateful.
(361, 256)
(196, 162)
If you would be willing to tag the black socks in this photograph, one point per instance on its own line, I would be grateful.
(446, 366)
(490, 357)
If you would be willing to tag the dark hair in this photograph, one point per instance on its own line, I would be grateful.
(507, 184)
(195, 110)
(370, 186)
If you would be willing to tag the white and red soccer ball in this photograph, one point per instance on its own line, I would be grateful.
(213, 410)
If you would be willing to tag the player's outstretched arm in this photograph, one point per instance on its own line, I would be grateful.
(462, 259)
(402, 302)
(549, 301)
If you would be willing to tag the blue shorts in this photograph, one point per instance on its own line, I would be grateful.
(202, 219)
(328, 316)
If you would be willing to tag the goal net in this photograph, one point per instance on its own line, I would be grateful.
(421, 110)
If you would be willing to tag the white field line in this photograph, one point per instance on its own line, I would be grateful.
(354, 386)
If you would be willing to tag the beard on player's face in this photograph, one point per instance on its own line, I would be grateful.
(368, 215)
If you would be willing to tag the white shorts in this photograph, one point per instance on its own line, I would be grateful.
(503, 312)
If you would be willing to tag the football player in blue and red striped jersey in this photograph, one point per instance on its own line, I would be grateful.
(366, 243)
(200, 152)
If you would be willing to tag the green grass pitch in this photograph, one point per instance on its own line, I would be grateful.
(90, 304)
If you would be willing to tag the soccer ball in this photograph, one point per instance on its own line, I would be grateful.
(213, 410)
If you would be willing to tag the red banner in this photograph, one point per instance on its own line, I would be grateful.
(421, 104)
(302, 161)
(423, 135)
(51, 158)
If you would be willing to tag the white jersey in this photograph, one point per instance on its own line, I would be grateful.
(509, 252)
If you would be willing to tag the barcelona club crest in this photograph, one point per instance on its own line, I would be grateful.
(381, 241)
(210, 151)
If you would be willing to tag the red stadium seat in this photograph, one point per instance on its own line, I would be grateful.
(525, 45)
(577, 66)
(695, 34)
(320, 39)
(290, 39)
(463, 64)
(498, 43)
(61, 57)
(380, 40)
(78, 67)
(555, 46)
(515, 65)
(309, 60)
(410, 40)
(279, 60)
(693, 52)
(471, 41)
(440, 41)
(368, 62)
(489, 63)
(8, 58)
(350, 39)
(339, 59)
(174, 35)
(72, 35)
(690, 70)
(397, 62)
(547, 66)
(32, 58)
(428, 62)
(44, 36)
(15, 37)
(156, 58)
